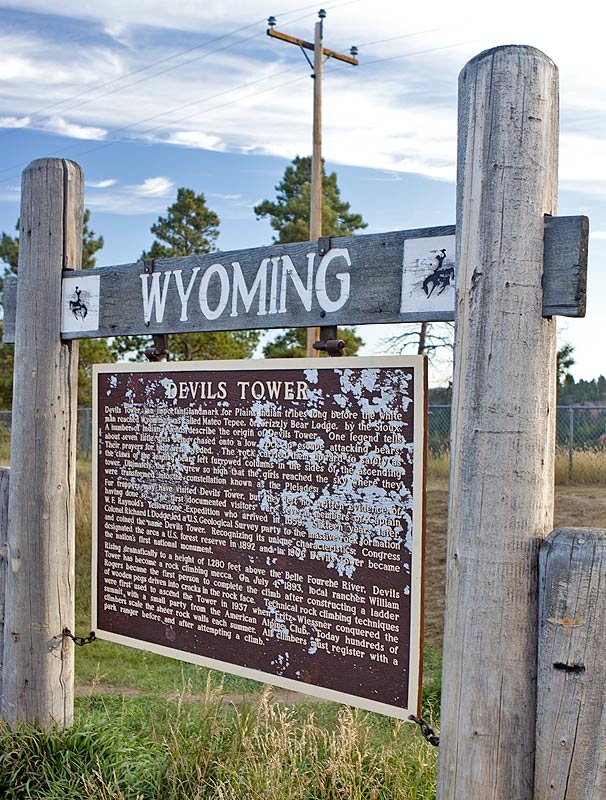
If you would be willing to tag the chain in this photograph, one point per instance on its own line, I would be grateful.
(79, 640)
(428, 733)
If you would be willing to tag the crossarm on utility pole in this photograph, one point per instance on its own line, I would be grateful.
(309, 46)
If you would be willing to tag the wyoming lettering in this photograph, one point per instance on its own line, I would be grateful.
(271, 283)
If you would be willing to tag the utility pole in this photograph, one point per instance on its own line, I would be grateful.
(321, 54)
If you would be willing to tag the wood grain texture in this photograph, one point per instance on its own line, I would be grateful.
(4, 478)
(566, 241)
(376, 278)
(38, 676)
(571, 702)
(502, 440)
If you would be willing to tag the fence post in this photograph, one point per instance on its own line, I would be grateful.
(571, 703)
(503, 426)
(570, 440)
(38, 663)
(4, 477)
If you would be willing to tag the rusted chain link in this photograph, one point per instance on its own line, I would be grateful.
(79, 640)
(428, 733)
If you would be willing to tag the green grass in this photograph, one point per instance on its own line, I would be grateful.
(155, 727)
(151, 749)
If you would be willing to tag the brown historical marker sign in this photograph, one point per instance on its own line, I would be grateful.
(266, 519)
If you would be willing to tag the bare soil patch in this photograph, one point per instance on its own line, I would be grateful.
(575, 507)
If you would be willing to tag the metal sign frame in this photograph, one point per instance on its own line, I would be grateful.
(322, 463)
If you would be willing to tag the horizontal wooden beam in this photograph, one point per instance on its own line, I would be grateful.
(400, 276)
(309, 46)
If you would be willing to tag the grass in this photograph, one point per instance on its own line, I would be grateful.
(148, 748)
(587, 467)
(171, 720)
(153, 728)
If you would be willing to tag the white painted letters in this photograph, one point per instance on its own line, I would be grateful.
(239, 287)
(184, 295)
(343, 278)
(154, 296)
(220, 288)
(221, 272)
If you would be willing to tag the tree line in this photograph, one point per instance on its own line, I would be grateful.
(190, 227)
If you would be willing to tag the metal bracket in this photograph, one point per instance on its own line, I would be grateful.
(160, 351)
(334, 347)
(324, 245)
(329, 342)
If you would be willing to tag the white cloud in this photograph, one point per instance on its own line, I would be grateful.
(14, 122)
(152, 187)
(62, 127)
(104, 184)
(227, 197)
(195, 139)
(246, 93)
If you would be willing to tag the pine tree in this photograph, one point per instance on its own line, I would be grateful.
(289, 216)
(191, 228)
(289, 213)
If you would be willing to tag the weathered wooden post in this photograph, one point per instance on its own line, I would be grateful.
(4, 476)
(502, 443)
(571, 703)
(38, 676)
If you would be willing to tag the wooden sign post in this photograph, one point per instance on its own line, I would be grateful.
(503, 436)
(38, 680)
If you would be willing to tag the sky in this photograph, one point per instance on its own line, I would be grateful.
(148, 100)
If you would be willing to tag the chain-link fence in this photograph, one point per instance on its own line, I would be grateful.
(84, 432)
(580, 439)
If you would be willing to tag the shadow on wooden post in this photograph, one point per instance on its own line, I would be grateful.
(571, 702)
(38, 663)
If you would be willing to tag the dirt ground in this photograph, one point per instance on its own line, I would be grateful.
(575, 506)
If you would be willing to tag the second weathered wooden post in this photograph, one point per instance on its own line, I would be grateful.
(38, 661)
(502, 443)
(571, 703)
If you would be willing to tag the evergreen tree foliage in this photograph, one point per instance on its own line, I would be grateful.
(191, 228)
(289, 212)
(293, 343)
(91, 243)
(6, 373)
(565, 362)
(289, 216)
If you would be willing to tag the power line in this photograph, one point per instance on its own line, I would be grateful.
(80, 151)
(166, 59)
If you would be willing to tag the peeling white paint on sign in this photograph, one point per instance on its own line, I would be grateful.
(275, 507)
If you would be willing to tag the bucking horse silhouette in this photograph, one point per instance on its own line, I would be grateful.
(78, 307)
(440, 277)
